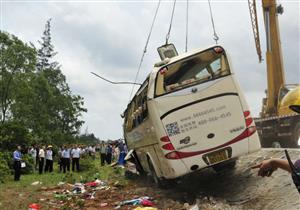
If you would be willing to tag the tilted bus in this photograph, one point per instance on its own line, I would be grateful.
(190, 113)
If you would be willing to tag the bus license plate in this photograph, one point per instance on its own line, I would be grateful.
(217, 156)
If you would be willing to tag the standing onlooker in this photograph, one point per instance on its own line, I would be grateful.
(66, 159)
(122, 155)
(49, 159)
(75, 157)
(116, 152)
(17, 156)
(37, 149)
(33, 154)
(108, 153)
(60, 161)
(41, 159)
(102, 153)
(93, 152)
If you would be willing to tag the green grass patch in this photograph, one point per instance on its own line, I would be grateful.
(18, 195)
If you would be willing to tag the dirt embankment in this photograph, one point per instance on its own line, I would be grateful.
(240, 188)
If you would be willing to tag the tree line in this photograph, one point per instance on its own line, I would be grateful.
(36, 102)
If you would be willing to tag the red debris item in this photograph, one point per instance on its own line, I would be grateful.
(91, 184)
(34, 206)
(147, 203)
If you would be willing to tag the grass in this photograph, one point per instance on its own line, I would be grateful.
(18, 195)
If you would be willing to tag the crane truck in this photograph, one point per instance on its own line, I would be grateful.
(278, 123)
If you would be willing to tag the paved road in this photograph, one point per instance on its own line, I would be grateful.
(241, 188)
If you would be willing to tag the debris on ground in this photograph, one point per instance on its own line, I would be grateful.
(36, 183)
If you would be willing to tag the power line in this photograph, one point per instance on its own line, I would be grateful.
(116, 83)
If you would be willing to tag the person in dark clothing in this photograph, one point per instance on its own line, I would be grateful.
(108, 153)
(17, 156)
(37, 157)
(60, 160)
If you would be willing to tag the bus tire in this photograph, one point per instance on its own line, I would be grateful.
(159, 182)
(152, 172)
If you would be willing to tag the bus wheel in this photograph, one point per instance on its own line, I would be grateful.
(159, 182)
(153, 175)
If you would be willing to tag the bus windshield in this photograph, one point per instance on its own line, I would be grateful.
(202, 67)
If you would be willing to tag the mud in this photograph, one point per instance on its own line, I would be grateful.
(240, 188)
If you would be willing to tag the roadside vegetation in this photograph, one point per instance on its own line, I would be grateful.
(32, 187)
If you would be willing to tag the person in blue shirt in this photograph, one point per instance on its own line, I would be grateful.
(122, 155)
(17, 156)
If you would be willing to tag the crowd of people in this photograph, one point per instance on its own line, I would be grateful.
(68, 156)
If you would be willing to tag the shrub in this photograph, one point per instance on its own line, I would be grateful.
(5, 165)
(29, 164)
(87, 164)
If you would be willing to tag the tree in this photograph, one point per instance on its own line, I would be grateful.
(46, 52)
(36, 103)
(17, 58)
(64, 108)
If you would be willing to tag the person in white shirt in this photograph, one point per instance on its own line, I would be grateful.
(49, 159)
(41, 159)
(75, 153)
(66, 159)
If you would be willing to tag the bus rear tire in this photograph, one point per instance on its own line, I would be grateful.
(159, 182)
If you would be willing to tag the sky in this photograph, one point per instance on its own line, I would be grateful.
(108, 38)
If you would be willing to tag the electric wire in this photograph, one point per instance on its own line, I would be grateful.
(116, 83)
(171, 22)
(215, 36)
(145, 49)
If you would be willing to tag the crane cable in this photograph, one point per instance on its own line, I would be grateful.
(215, 36)
(145, 49)
(171, 22)
(187, 25)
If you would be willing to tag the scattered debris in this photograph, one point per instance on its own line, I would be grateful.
(36, 183)
(34, 206)
(145, 201)
(145, 208)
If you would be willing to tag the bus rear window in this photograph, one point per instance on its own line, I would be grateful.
(196, 69)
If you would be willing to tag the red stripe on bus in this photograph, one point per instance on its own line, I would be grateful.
(246, 133)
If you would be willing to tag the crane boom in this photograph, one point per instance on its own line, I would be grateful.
(253, 16)
(275, 70)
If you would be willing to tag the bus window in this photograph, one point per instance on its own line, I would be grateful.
(137, 111)
(200, 68)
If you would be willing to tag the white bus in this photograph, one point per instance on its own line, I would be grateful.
(190, 113)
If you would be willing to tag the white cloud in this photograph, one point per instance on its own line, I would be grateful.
(109, 37)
